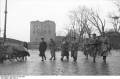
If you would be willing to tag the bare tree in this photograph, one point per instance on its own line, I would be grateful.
(85, 20)
(117, 3)
(79, 21)
(97, 21)
(115, 19)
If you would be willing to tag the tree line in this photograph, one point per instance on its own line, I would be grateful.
(85, 21)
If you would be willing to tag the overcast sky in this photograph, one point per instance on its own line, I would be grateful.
(21, 12)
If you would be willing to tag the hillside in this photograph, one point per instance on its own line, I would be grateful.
(13, 41)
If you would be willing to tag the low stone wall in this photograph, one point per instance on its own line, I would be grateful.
(33, 45)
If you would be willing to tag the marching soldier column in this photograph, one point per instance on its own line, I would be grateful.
(93, 47)
(97, 46)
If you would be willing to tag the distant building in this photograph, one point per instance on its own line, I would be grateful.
(46, 29)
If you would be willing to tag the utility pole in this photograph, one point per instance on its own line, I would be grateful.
(4, 36)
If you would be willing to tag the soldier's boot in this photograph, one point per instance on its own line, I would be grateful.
(54, 58)
(39, 54)
(104, 59)
(94, 59)
(62, 58)
(45, 57)
(71, 54)
(42, 58)
(87, 56)
(51, 58)
(74, 59)
(67, 58)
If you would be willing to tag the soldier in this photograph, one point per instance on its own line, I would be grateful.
(65, 50)
(42, 49)
(74, 49)
(52, 46)
(86, 47)
(104, 46)
(94, 47)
